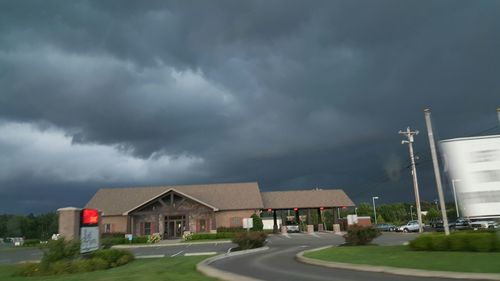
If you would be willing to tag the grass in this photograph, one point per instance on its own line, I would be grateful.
(401, 256)
(165, 269)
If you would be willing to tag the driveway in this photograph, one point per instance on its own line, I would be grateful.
(279, 264)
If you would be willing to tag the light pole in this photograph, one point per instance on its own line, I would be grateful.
(411, 211)
(374, 210)
(455, 194)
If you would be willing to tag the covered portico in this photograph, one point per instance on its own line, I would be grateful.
(315, 200)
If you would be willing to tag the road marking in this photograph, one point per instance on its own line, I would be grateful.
(200, 254)
(314, 234)
(304, 246)
(176, 254)
(149, 256)
(286, 235)
(229, 250)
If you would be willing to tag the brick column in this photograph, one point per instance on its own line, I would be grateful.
(69, 223)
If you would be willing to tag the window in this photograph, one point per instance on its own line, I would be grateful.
(235, 221)
(147, 228)
(107, 228)
(203, 225)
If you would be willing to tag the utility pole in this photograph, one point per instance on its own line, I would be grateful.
(498, 113)
(409, 136)
(437, 173)
(374, 209)
(453, 181)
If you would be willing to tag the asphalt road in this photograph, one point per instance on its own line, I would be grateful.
(10, 254)
(181, 250)
(279, 264)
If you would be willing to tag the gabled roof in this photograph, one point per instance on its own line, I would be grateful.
(227, 196)
(314, 198)
(166, 192)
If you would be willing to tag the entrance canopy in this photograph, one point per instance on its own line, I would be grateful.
(306, 199)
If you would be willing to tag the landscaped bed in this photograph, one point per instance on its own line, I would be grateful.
(402, 256)
(166, 269)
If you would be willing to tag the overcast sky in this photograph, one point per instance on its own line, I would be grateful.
(292, 94)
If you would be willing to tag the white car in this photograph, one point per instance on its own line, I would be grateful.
(409, 227)
(484, 225)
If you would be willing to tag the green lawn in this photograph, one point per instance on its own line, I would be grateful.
(165, 269)
(401, 256)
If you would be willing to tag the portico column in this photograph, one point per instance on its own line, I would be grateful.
(275, 222)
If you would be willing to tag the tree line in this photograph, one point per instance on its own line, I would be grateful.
(30, 227)
(399, 213)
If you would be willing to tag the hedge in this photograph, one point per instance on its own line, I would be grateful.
(469, 241)
(106, 243)
(208, 236)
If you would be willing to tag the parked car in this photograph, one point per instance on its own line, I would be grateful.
(292, 227)
(459, 224)
(436, 223)
(411, 226)
(385, 227)
(484, 225)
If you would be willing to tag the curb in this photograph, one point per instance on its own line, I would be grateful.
(132, 246)
(394, 270)
(205, 268)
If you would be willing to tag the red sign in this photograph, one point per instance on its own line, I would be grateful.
(321, 208)
(344, 207)
(295, 209)
(269, 210)
(90, 217)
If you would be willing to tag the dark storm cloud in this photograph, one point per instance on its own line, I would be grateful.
(290, 94)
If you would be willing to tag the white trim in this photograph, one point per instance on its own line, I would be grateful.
(167, 191)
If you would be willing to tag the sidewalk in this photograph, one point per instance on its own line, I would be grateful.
(395, 270)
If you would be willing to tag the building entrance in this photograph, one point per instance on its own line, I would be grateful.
(174, 226)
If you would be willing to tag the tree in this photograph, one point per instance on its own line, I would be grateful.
(257, 223)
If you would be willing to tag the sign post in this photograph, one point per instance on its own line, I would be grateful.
(89, 231)
(247, 223)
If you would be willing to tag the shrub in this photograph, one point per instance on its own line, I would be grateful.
(250, 240)
(99, 260)
(230, 229)
(113, 257)
(360, 235)
(60, 249)
(154, 238)
(258, 225)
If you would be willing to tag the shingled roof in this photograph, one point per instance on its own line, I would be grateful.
(306, 199)
(227, 196)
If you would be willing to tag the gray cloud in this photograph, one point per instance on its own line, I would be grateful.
(308, 95)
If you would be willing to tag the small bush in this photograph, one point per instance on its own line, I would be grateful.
(60, 249)
(154, 238)
(250, 240)
(360, 235)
